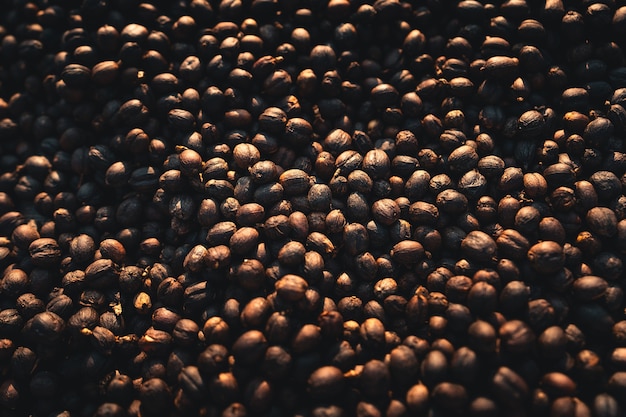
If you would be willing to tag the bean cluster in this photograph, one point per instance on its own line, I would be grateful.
(312, 208)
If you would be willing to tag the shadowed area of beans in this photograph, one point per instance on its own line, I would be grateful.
(312, 208)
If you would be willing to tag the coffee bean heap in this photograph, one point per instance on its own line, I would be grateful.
(312, 208)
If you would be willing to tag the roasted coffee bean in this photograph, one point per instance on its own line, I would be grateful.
(291, 287)
(326, 383)
(434, 368)
(509, 387)
(546, 257)
(201, 180)
(479, 246)
(589, 288)
(552, 341)
(101, 274)
(602, 221)
(465, 365)
(156, 342)
(45, 327)
(249, 347)
(450, 396)
(605, 405)
(516, 336)
(44, 252)
(407, 252)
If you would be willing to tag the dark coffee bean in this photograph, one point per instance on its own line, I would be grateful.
(509, 387)
(101, 274)
(482, 337)
(589, 288)
(512, 244)
(602, 221)
(407, 252)
(156, 342)
(546, 257)
(44, 252)
(434, 368)
(417, 398)
(449, 396)
(250, 347)
(326, 383)
(605, 405)
(516, 336)
(291, 287)
(479, 246)
(155, 396)
(45, 327)
(552, 341)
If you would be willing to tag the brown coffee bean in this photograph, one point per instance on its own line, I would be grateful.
(155, 342)
(249, 347)
(44, 252)
(403, 365)
(546, 257)
(407, 252)
(102, 274)
(457, 288)
(478, 246)
(482, 337)
(375, 378)
(450, 396)
(385, 211)
(535, 185)
(602, 221)
(509, 387)
(292, 253)
(434, 368)
(557, 384)
(565, 406)
(291, 287)
(605, 405)
(552, 341)
(326, 383)
(306, 339)
(516, 336)
(417, 398)
(589, 288)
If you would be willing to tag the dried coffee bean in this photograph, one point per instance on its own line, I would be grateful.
(516, 336)
(450, 396)
(512, 244)
(602, 221)
(291, 287)
(589, 288)
(509, 387)
(451, 202)
(546, 257)
(250, 347)
(326, 383)
(434, 368)
(44, 252)
(292, 253)
(101, 274)
(605, 405)
(244, 240)
(385, 211)
(407, 252)
(45, 327)
(479, 246)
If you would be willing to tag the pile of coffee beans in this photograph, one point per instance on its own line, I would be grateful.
(312, 208)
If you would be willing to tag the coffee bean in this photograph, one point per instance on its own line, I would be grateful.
(326, 383)
(44, 252)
